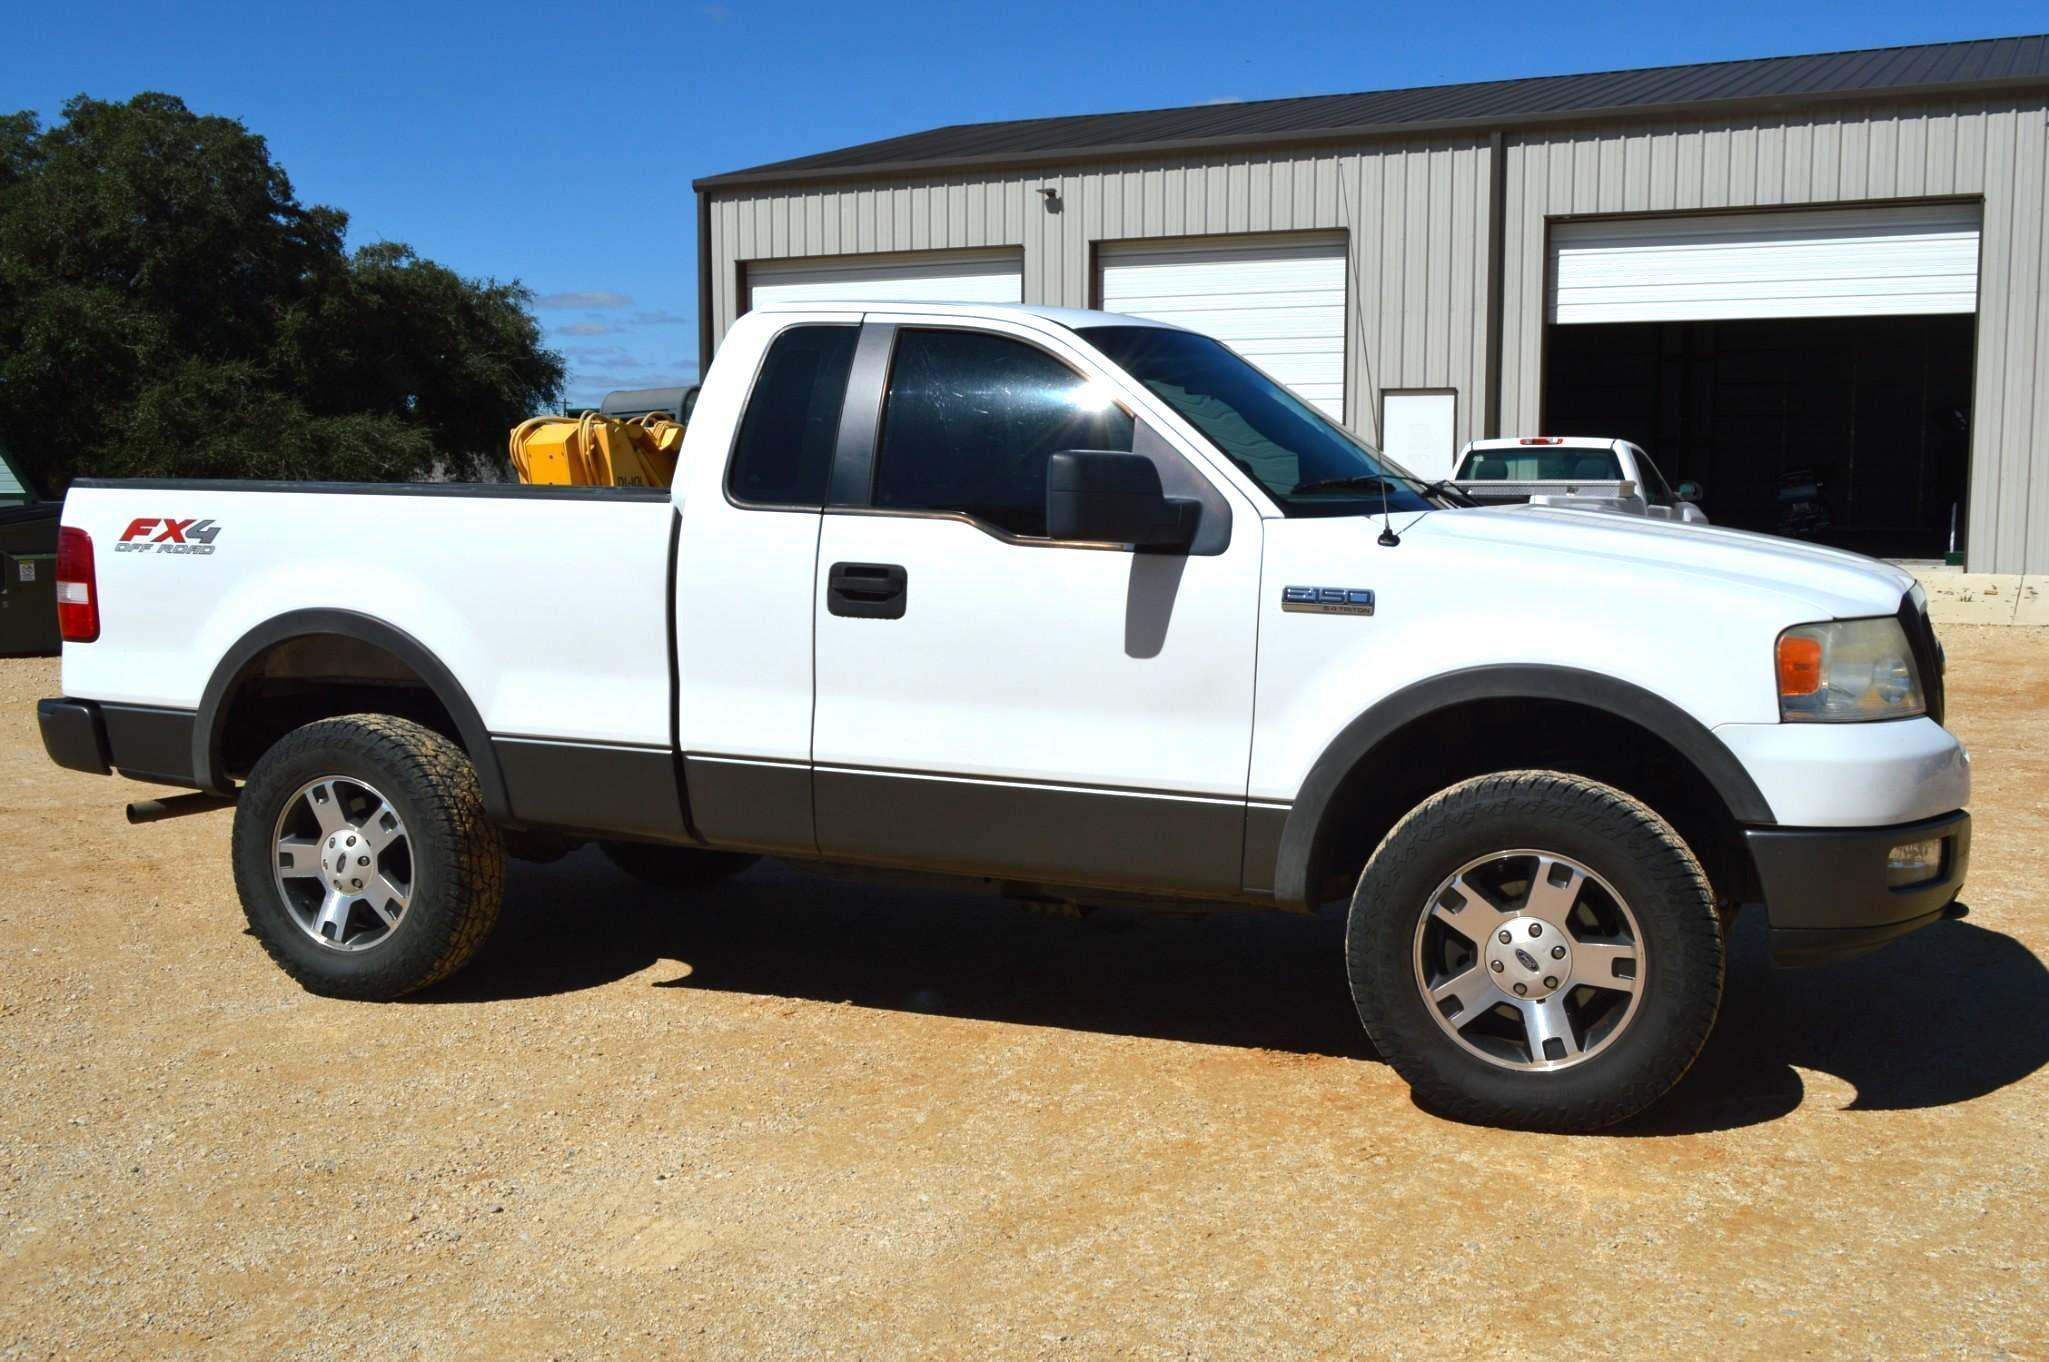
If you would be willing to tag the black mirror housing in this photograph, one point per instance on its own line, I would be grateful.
(1110, 497)
(1688, 491)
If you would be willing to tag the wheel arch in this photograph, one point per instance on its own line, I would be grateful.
(242, 665)
(1405, 719)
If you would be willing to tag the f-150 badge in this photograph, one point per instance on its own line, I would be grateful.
(1327, 600)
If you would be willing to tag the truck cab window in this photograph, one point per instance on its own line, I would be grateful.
(1656, 491)
(782, 455)
(971, 419)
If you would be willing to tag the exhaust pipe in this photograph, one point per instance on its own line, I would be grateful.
(177, 806)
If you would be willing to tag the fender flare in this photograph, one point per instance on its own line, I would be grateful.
(1693, 740)
(208, 730)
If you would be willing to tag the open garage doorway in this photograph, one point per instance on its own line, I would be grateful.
(1849, 431)
(1810, 369)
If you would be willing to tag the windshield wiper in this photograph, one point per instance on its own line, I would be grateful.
(1443, 488)
(1450, 491)
(1364, 482)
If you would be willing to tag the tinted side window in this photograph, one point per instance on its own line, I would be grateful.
(783, 454)
(1656, 491)
(970, 420)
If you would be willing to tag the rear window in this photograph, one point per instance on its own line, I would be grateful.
(1543, 465)
(783, 453)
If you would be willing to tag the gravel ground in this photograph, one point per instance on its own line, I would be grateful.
(803, 1117)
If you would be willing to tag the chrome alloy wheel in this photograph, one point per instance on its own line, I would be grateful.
(1529, 960)
(344, 863)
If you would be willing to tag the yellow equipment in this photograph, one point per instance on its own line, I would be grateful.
(596, 451)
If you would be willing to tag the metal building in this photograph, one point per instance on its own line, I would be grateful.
(1797, 273)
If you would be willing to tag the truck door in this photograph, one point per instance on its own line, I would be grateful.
(990, 701)
(746, 558)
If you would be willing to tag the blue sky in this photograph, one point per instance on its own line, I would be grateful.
(555, 143)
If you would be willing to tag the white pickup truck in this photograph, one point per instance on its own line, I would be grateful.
(1579, 471)
(1073, 607)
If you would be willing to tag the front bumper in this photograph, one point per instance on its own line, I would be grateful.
(1826, 890)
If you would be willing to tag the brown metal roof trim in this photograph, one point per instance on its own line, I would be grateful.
(1978, 68)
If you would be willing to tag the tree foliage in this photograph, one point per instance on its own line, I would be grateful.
(169, 308)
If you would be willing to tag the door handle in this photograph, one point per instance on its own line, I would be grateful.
(867, 591)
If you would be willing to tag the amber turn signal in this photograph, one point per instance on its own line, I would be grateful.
(1799, 665)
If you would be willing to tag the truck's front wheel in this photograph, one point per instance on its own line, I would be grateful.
(1537, 950)
(364, 858)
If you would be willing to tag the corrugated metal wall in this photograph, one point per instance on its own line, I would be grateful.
(1415, 214)
(1995, 150)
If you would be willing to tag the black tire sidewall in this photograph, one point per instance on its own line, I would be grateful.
(1680, 968)
(426, 931)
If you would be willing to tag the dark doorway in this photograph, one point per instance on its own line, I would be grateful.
(1850, 431)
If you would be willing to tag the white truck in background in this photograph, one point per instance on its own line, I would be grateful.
(1067, 606)
(1579, 471)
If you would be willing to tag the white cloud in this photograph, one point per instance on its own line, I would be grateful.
(1225, 99)
(588, 329)
(588, 298)
(586, 389)
(615, 356)
(718, 14)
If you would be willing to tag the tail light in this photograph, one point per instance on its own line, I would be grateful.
(78, 591)
(1542, 440)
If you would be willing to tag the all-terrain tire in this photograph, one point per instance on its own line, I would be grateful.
(670, 867)
(457, 860)
(1679, 973)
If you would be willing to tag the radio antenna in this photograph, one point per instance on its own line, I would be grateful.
(1388, 538)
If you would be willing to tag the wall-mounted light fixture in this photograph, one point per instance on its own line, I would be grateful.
(1051, 194)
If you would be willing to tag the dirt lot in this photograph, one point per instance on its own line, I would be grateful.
(799, 1117)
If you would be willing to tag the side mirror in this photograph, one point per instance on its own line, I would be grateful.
(1108, 497)
(1688, 491)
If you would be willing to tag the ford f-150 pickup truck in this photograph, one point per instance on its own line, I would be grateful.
(1074, 607)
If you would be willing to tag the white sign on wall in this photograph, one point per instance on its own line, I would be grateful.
(1418, 430)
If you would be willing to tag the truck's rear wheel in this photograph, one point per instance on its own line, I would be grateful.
(676, 867)
(1534, 949)
(364, 858)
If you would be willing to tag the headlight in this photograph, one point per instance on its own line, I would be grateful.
(1848, 670)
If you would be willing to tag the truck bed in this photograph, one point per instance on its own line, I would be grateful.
(478, 568)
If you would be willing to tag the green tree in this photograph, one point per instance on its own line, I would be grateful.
(169, 308)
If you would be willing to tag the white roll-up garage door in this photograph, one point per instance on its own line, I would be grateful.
(1837, 262)
(1281, 304)
(923, 277)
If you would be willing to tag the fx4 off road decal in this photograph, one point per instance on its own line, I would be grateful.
(151, 535)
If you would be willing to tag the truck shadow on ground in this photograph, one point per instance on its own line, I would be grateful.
(1948, 1015)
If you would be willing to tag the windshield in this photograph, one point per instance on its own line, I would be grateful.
(1306, 461)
